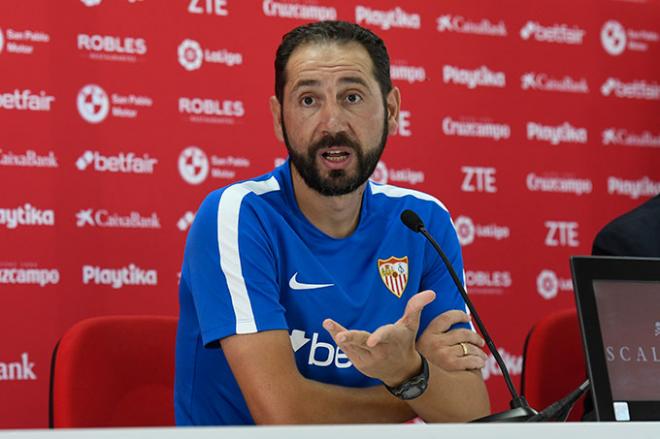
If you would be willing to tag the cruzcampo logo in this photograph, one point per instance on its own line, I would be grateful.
(394, 273)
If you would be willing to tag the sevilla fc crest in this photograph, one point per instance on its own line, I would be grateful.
(394, 273)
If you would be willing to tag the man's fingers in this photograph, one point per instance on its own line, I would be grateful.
(414, 308)
(471, 362)
(447, 319)
(333, 328)
(457, 336)
(380, 335)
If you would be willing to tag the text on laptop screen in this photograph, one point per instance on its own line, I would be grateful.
(629, 316)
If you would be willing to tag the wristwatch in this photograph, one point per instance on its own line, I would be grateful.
(414, 386)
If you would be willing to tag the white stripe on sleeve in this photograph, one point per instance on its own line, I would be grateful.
(230, 261)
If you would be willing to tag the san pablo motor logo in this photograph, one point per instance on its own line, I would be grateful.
(394, 273)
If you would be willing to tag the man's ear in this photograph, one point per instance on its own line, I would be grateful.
(393, 106)
(276, 112)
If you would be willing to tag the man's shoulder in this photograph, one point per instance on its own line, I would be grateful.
(395, 197)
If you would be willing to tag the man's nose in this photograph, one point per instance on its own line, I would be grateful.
(332, 117)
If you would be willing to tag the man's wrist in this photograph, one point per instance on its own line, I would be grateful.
(415, 385)
(413, 368)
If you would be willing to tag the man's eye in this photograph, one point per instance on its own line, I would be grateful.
(353, 98)
(307, 101)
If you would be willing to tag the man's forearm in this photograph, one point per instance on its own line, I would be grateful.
(313, 402)
(452, 396)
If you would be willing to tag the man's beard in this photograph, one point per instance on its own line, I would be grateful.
(338, 182)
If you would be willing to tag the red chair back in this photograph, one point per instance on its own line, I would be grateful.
(114, 371)
(553, 361)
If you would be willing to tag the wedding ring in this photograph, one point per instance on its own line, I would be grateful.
(465, 350)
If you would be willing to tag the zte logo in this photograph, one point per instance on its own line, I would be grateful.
(562, 234)
(320, 353)
(478, 179)
(209, 7)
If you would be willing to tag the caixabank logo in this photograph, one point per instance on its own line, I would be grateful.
(105, 218)
(462, 25)
(551, 83)
(192, 56)
(624, 137)
(17, 370)
(28, 159)
(95, 104)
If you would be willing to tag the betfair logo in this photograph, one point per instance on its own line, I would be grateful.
(321, 354)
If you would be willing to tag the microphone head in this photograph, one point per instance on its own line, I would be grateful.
(412, 220)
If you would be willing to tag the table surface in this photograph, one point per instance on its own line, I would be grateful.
(630, 430)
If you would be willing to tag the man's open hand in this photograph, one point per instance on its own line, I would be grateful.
(442, 346)
(389, 353)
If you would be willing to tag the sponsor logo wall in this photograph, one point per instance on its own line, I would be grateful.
(534, 129)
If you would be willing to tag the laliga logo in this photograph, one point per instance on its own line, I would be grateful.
(93, 103)
(380, 173)
(91, 3)
(613, 37)
(465, 230)
(190, 55)
(547, 284)
(193, 165)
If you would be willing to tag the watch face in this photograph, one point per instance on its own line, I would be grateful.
(412, 392)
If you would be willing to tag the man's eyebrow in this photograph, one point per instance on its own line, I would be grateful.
(353, 80)
(305, 83)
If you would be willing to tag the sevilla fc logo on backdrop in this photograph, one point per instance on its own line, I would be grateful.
(93, 103)
(394, 273)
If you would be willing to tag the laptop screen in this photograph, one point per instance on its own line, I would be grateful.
(629, 315)
(618, 301)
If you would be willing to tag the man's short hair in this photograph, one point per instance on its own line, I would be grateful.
(338, 32)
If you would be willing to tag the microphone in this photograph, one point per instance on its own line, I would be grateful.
(520, 409)
(560, 406)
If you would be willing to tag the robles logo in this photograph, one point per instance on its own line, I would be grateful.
(124, 163)
(548, 284)
(191, 55)
(557, 33)
(298, 11)
(26, 215)
(131, 275)
(459, 24)
(544, 82)
(467, 230)
(205, 110)
(621, 136)
(487, 282)
(638, 89)
(396, 17)
(112, 47)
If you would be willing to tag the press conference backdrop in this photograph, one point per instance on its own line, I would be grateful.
(534, 122)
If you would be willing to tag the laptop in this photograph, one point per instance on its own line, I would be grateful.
(618, 302)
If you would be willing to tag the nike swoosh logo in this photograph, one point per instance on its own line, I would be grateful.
(295, 285)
